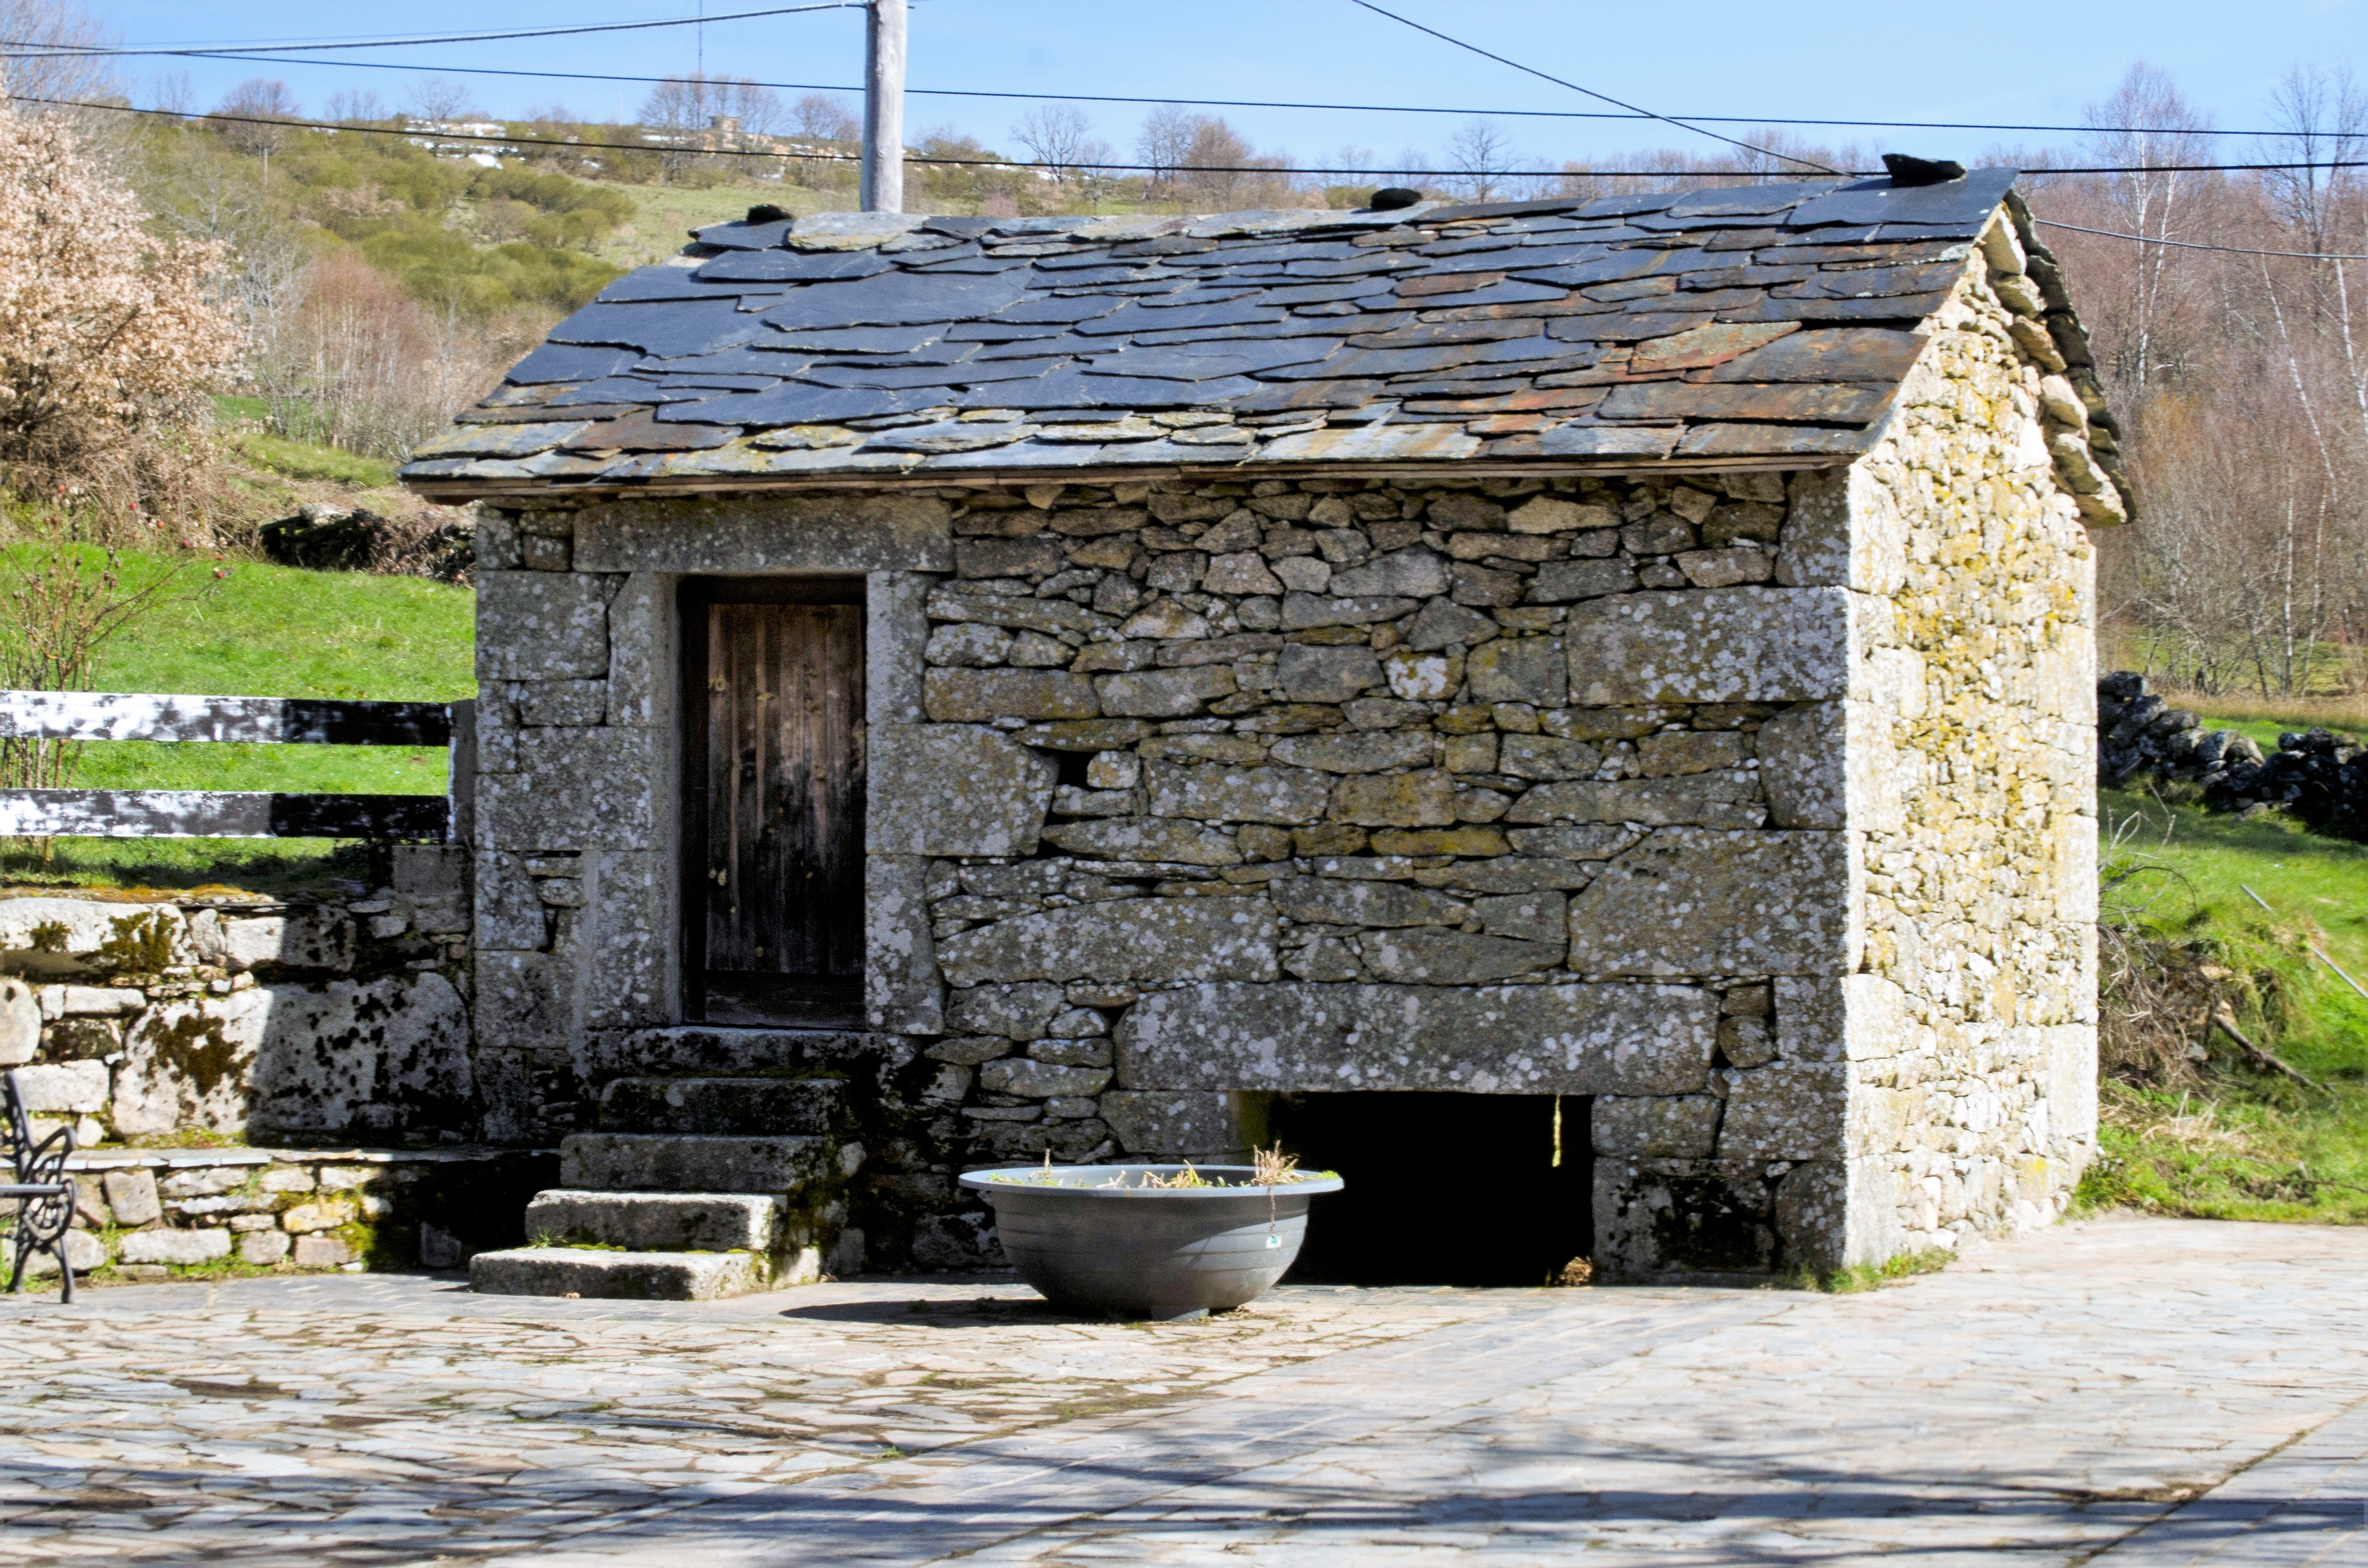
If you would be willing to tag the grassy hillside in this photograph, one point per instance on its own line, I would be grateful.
(663, 215)
(275, 631)
(2217, 1138)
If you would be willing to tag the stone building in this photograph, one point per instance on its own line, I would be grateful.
(1109, 687)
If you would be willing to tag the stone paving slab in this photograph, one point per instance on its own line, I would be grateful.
(2159, 1392)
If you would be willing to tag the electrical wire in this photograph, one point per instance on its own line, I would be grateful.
(1189, 103)
(1603, 97)
(423, 133)
(280, 48)
(2191, 244)
(418, 132)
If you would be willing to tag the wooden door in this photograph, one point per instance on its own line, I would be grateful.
(780, 873)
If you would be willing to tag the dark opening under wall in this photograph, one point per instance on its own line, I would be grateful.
(1441, 1189)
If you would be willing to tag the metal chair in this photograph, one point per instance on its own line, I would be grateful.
(44, 1193)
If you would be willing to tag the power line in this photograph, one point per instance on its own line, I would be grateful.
(242, 53)
(416, 132)
(1605, 97)
(279, 49)
(1192, 102)
(2191, 244)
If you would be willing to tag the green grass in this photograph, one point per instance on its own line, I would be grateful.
(664, 214)
(265, 631)
(2237, 1143)
(1860, 1277)
(301, 459)
(2265, 727)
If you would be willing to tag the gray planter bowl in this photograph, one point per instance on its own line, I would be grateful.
(1156, 1252)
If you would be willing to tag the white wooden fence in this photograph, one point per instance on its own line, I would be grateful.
(223, 813)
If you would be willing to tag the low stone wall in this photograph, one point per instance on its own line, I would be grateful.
(2138, 734)
(2318, 776)
(146, 1018)
(157, 1214)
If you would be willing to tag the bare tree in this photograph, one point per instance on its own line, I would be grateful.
(1163, 144)
(1481, 157)
(170, 92)
(758, 110)
(441, 102)
(1205, 165)
(1058, 136)
(357, 106)
(2322, 117)
(252, 105)
(825, 119)
(52, 62)
(2145, 124)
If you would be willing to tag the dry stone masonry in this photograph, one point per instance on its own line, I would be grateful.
(240, 1016)
(1704, 730)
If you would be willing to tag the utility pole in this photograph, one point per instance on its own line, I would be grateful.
(884, 106)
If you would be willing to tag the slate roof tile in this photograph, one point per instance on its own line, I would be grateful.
(793, 267)
(643, 433)
(568, 362)
(1767, 322)
(665, 282)
(619, 389)
(670, 329)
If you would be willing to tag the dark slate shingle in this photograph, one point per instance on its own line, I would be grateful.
(1764, 323)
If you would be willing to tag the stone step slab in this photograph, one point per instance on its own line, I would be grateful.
(758, 1107)
(674, 1162)
(695, 1049)
(660, 1221)
(633, 1275)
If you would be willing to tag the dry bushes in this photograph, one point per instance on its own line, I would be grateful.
(356, 362)
(109, 337)
(2159, 991)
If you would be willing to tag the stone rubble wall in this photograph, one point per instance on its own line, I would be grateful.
(156, 1214)
(1183, 791)
(1501, 786)
(2139, 733)
(2316, 775)
(1970, 1023)
(146, 1020)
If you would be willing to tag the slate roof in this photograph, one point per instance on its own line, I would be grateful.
(1753, 325)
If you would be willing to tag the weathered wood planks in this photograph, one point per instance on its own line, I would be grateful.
(203, 813)
(123, 716)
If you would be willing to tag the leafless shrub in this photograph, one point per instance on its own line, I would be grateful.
(356, 362)
(441, 102)
(2156, 991)
(1200, 164)
(255, 105)
(59, 612)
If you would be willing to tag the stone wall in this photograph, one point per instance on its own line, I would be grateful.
(157, 1214)
(236, 1016)
(1969, 1026)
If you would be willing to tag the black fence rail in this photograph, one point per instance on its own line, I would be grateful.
(226, 814)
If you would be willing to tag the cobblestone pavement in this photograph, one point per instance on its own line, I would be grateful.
(2089, 1391)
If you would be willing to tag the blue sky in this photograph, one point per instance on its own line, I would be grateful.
(1846, 58)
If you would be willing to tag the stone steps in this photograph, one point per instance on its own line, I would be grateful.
(683, 1161)
(755, 1106)
(638, 1276)
(715, 1172)
(659, 1221)
(697, 1050)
